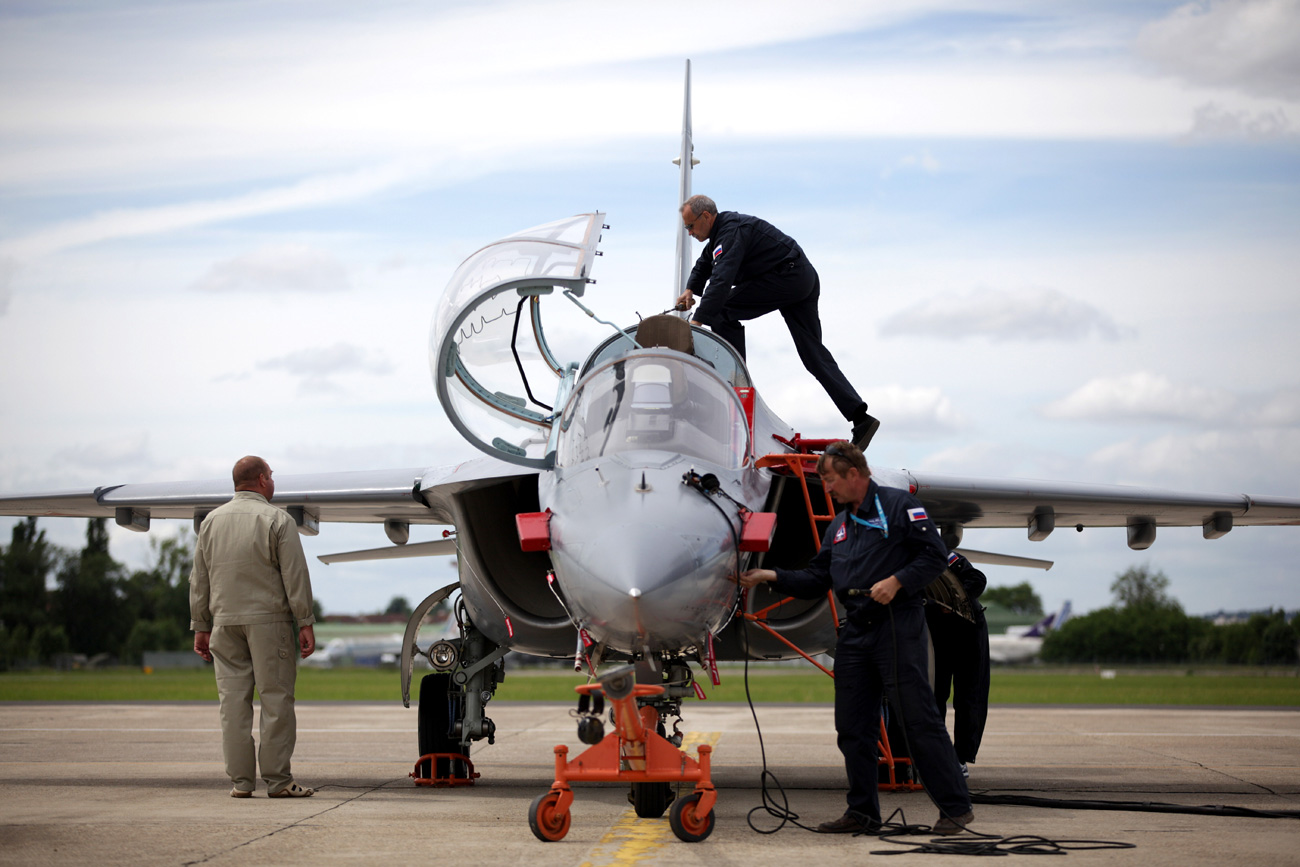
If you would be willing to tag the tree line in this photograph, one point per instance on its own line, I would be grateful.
(54, 601)
(1147, 625)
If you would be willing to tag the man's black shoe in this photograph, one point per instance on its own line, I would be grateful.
(864, 430)
(955, 825)
(850, 823)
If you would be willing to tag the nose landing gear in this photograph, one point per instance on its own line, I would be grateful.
(633, 753)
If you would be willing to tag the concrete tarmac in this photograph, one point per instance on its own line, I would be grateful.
(142, 783)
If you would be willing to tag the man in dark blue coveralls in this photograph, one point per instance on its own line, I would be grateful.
(878, 555)
(961, 661)
(753, 268)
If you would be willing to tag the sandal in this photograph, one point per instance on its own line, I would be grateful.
(240, 793)
(293, 790)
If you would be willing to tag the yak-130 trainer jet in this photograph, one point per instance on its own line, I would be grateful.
(615, 496)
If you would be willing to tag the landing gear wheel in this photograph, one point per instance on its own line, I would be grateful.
(687, 824)
(435, 719)
(547, 823)
(651, 800)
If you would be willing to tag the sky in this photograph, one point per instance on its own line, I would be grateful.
(1056, 241)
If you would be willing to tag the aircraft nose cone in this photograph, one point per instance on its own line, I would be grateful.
(646, 574)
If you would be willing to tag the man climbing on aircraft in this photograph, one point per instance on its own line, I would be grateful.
(248, 586)
(878, 555)
(753, 268)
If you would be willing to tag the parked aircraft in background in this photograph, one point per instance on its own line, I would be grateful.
(616, 494)
(1022, 643)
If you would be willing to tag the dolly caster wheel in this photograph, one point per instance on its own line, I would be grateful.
(686, 823)
(547, 823)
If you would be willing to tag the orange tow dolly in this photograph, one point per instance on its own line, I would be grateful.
(633, 753)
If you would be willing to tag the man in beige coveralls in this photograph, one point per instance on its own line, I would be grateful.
(249, 585)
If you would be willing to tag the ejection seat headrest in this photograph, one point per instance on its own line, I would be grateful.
(666, 330)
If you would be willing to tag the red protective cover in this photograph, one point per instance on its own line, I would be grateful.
(756, 531)
(534, 530)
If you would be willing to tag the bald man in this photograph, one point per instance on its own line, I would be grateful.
(248, 587)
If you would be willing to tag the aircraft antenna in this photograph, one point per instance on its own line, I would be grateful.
(686, 161)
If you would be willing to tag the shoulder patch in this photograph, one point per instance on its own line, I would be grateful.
(952, 558)
(841, 534)
(717, 251)
(917, 514)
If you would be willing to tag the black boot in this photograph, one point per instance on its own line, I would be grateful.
(864, 427)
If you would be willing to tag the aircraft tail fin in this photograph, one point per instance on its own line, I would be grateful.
(686, 162)
(1050, 622)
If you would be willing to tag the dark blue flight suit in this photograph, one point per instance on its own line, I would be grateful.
(753, 268)
(857, 552)
(961, 661)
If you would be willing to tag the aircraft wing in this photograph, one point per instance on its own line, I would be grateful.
(412, 496)
(1011, 503)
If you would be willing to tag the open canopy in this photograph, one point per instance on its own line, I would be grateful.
(495, 375)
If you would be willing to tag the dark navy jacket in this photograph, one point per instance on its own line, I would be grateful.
(739, 248)
(856, 557)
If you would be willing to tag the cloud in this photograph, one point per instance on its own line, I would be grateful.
(1142, 396)
(291, 267)
(8, 268)
(1211, 121)
(129, 451)
(916, 410)
(923, 162)
(1218, 460)
(1248, 45)
(139, 222)
(316, 367)
(1030, 315)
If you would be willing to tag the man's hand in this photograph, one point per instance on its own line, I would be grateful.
(685, 301)
(884, 591)
(753, 577)
(307, 641)
(201, 640)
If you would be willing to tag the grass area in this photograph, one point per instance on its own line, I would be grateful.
(1037, 685)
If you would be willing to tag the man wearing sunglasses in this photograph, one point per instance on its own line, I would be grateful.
(752, 268)
(879, 553)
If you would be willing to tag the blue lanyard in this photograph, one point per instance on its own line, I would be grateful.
(880, 522)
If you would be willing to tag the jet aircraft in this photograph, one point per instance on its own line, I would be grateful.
(616, 494)
(1022, 643)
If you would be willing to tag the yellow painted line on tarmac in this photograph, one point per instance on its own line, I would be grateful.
(633, 840)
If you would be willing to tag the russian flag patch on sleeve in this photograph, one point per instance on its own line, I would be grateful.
(917, 514)
(952, 558)
(717, 251)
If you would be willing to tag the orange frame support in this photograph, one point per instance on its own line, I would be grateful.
(433, 778)
(633, 753)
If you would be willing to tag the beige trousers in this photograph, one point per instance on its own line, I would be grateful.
(264, 655)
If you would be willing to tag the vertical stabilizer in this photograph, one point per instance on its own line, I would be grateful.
(686, 161)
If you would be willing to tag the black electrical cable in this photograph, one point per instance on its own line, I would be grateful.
(1132, 806)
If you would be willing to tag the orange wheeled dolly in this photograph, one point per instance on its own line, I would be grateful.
(632, 753)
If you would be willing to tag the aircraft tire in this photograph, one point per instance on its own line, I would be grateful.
(651, 800)
(434, 723)
(546, 824)
(689, 826)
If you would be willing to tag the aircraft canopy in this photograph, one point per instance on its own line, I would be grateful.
(653, 399)
(492, 368)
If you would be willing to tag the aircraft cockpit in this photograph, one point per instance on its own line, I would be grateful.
(652, 399)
